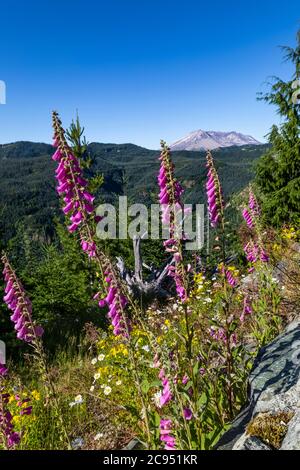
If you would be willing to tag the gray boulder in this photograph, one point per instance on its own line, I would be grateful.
(274, 387)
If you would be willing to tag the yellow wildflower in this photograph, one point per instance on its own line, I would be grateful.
(36, 395)
(276, 247)
(289, 233)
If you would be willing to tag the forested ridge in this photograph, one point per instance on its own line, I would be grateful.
(27, 194)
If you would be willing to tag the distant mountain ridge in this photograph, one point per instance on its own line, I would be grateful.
(25, 149)
(210, 140)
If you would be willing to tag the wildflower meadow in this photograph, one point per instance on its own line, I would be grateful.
(147, 342)
(172, 374)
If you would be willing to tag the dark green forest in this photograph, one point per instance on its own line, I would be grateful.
(27, 192)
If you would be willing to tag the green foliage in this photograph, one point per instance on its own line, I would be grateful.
(61, 288)
(79, 144)
(278, 171)
(190, 342)
(266, 305)
(61, 283)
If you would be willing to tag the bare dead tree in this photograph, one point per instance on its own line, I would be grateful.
(153, 286)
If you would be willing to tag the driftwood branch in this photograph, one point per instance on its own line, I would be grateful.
(153, 286)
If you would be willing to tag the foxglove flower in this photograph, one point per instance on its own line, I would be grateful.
(231, 280)
(255, 252)
(187, 412)
(251, 213)
(3, 370)
(248, 218)
(11, 438)
(247, 309)
(170, 190)
(185, 379)
(253, 204)
(214, 193)
(263, 256)
(165, 428)
(79, 208)
(221, 336)
(251, 251)
(166, 395)
(172, 210)
(178, 274)
(116, 302)
(72, 187)
(18, 302)
(218, 335)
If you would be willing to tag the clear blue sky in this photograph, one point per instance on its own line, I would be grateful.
(141, 70)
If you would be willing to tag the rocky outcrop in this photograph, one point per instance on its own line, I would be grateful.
(271, 419)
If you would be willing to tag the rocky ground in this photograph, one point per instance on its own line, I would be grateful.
(271, 419)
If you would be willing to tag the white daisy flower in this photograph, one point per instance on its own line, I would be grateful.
(78, 399)
(107, 390)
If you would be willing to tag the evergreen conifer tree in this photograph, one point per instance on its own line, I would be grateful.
(278, 171)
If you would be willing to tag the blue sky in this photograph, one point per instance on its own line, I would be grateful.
(141, 70)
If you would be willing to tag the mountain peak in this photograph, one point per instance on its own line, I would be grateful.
(210, 140)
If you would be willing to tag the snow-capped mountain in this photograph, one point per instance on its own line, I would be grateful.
(209, 140)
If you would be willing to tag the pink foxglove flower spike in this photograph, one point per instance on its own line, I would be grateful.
(231, 280)
(116, 302)
(9, 436)
(253, 204)
(166, 395)
(214, 193)
(3, 370)
(165, 428)
(172, 209)
(248, 218)
(254, 250)
(188, 415)
(72, 187)
(251, 251)
(80, 210)
(247, 309)
(17, 301)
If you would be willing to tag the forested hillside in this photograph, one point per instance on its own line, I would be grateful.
(27, 191)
